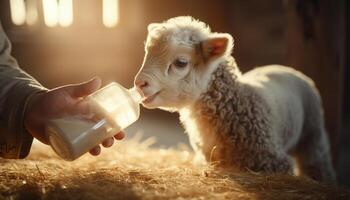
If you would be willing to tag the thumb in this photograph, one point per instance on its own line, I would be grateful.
(84, 89)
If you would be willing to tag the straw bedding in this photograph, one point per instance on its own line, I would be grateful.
(133, 170)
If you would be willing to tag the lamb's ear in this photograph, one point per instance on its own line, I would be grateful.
(218, 45)
(153, 26)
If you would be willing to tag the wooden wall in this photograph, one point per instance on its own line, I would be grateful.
(316, 46)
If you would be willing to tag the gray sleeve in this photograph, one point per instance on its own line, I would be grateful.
(16, 90)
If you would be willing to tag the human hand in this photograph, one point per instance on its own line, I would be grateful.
(59, 102)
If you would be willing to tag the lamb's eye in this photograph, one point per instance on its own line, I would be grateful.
(180, 63)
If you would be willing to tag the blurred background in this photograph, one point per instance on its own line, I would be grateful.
(69, 41)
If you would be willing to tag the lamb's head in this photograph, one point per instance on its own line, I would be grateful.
(180, 55)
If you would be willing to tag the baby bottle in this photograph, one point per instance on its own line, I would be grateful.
(114, 108)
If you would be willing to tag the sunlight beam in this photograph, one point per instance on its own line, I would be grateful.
(50, 12)
(18, 12)
(110, 13)
(65, 12)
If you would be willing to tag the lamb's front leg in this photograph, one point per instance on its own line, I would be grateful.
(196, 144)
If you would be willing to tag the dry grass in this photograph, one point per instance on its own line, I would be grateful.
(132, 170)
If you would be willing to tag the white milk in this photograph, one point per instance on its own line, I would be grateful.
(114, 106)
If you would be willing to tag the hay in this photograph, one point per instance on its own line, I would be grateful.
(133, 170)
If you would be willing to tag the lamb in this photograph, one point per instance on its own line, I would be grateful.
(269, 119)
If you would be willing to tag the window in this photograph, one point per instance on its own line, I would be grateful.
(18, 11)
(110, 12)
(58, 12)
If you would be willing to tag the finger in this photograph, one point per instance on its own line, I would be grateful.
(95, 151)
(84, 89)
(108, 142)
(83, 108)
(119, 136)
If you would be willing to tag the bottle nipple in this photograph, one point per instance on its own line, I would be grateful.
(135, 95)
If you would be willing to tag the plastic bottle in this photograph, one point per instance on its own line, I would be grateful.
(116, 108)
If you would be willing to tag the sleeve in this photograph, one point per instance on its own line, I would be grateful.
(16, 90)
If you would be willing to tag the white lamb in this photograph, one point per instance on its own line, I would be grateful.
(255, 121)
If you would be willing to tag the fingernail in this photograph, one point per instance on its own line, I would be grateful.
(119, 136)
(95, 151)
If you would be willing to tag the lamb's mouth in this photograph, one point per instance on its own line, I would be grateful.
(150, 98)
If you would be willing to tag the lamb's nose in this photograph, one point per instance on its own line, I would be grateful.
(141, 85)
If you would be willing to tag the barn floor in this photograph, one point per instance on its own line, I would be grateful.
(133, 170)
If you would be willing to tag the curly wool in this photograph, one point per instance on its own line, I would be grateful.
(234, 126)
